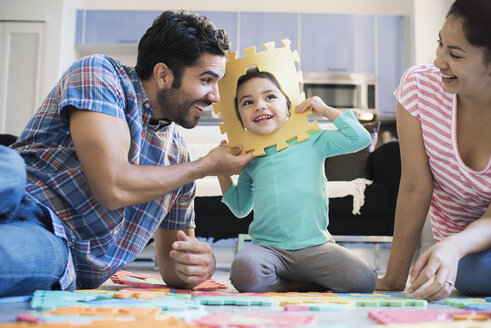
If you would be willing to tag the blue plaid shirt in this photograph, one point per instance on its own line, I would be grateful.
(101, 241)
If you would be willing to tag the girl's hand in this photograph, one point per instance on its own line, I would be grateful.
(440, 263)
(318, 108)
(315, 104)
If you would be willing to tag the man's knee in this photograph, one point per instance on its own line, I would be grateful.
(12, 181)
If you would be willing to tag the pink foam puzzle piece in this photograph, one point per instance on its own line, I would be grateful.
(407, 316)
(254, 320)
(145, 280)
(411, 316)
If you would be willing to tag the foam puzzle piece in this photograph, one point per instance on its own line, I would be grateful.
(405, 316)
(478, 306)
(254, 320)
(463, 301)
(136, 312)
(281, 63)
(454, 324)
(474, 316)
(47, 300)
(86, 315)
(267, 299)
(43, 300)
(434, 316)
(235, 300)
(317, 307)
(185, 294)
(165, 303)
(383, 299)
(144, 280)
(294, 298)
(144, 322)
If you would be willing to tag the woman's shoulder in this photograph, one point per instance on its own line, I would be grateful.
(427, 72)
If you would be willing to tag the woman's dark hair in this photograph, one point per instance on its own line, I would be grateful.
(178, 39)
(476, 22)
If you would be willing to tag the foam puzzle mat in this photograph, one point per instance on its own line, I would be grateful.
(144, 307)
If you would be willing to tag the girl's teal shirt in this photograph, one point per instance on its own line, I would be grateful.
(287, 188)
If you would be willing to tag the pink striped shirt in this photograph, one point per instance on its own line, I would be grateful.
(461, 194)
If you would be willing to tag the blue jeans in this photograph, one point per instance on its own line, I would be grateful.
(31, 256)
(474, 274)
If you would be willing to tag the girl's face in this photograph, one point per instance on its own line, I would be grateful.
(262, 107)
(462, 65)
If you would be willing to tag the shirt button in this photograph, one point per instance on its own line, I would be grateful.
(69, 244)
(115, 232)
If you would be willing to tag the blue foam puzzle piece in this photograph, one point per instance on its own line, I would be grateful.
(166, 303)
(44, 300)
(231, 300)
(478, 306)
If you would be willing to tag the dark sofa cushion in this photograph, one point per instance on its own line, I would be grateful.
(355, 165)
(214, 219)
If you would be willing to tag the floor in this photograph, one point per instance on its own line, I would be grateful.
(224, 252)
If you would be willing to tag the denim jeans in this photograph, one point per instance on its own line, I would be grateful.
(31, 256)
(474, 274)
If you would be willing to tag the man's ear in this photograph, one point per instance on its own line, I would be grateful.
(163, 75)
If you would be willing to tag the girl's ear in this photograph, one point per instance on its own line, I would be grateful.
(163, 75)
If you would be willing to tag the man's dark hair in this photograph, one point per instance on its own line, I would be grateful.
(476, 22)
(178, 39)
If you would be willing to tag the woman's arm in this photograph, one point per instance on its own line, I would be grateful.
(415, 190)
(440, 262)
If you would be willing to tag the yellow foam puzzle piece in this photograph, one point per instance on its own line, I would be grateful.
(281, 63)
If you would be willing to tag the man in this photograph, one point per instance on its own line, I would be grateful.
(107, 169)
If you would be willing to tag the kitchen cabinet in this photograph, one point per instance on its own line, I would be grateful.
(224, 20)
(337, 43)
(391, 49)
(257, 28)
(121, 30)
(113, 26)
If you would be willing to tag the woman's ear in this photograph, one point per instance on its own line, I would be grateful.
(163, 75)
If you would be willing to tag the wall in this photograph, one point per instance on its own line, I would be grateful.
(59, 36)
(430, 17)
(386, 7)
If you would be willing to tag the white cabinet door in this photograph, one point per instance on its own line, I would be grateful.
(20, 55)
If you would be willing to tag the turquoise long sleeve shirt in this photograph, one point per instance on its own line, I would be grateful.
(286, 188)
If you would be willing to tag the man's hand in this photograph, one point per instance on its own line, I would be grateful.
(194, 260)
(225, 160)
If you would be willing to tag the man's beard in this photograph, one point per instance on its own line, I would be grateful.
(175, 106)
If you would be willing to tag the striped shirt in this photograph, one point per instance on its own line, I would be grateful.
(461, 194)
(101, 241)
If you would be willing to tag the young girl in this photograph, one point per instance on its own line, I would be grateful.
(292, 249)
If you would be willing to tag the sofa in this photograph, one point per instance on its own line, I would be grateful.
(376, 218)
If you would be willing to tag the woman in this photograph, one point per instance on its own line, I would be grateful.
(443, 122)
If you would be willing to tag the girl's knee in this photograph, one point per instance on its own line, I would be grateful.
(244, 276)
(363, 281)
